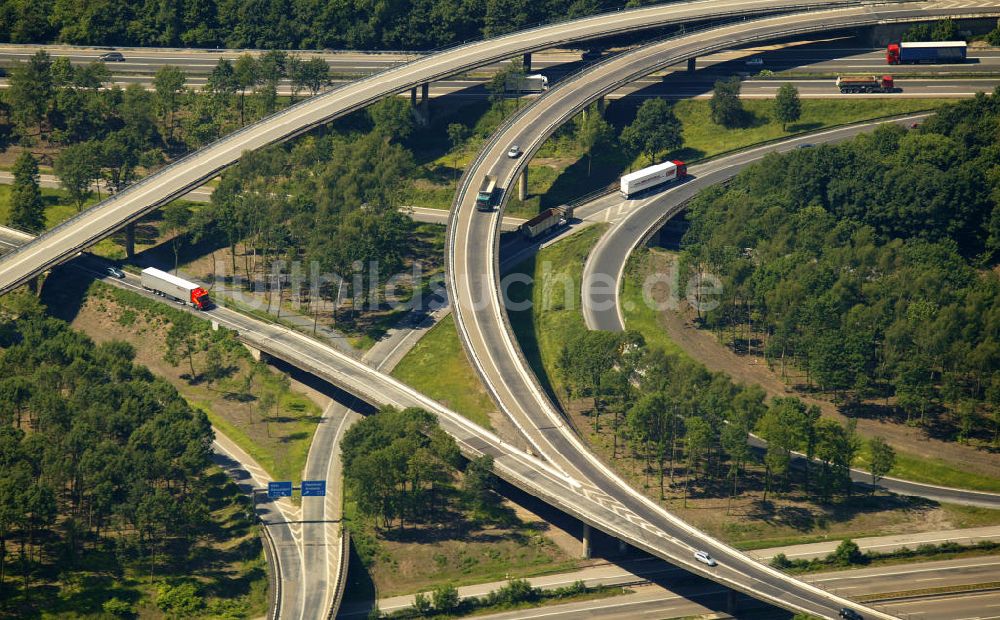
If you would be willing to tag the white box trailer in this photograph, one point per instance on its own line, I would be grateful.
(169, 285)
(535, 83)
(651, 177)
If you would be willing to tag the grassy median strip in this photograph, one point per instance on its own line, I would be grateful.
(438, 367)
(932, 471)
(907, 594)
(560, 171)
(704, 138)
(556, 273)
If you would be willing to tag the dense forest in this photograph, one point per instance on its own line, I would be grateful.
(338, 203)
(88, 131)
(400, 467)
(690, 428)
(870, 267)
(279, 24)
(101, 463)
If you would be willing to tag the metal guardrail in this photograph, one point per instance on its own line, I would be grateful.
(271, 551)
(330, 93)
(341, 583)
(465, 185)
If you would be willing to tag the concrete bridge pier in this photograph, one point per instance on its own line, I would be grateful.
(691, 65)
(522, 185)
(422, 108)
(585, 543)
(526, 61)
(256, 354)
(130, 240)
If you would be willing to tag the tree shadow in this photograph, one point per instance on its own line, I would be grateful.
(801, 127)
(360, 587)
(65, 288)
(294, 437)
(688, 153)
(607, 167)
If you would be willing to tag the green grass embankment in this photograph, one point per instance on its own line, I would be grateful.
(438, 367)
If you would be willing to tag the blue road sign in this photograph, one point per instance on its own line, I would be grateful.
(279, 489)
(313, 488)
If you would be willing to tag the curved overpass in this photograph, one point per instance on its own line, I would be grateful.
(65, 240)
(604, 270)
(473, 241)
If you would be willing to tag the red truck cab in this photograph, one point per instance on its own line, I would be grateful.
(200, 299)
(682, 168)
(892, 54)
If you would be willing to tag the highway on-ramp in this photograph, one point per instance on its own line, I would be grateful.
(174, 180)
(604, 270)
(477, 296)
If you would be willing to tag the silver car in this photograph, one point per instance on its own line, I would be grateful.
(704, 558)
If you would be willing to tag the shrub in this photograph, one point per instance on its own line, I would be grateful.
(847, 554)
(445, 598)
(179, 600)
(117, 608)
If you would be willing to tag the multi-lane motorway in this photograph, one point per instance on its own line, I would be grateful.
(665, 592)
(100, 221)
(479, 310)
(586, 496)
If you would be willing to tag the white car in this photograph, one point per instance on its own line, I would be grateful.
(514, 152)
(704, 558)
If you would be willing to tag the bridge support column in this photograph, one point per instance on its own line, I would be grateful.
(522, 185)
(691, 65)
(423, 110)
(256, 354)
(526, 62)
(585, 543)
(622, 547)
(413, 98)
(731, 601)
(602, 105)
(130, 240)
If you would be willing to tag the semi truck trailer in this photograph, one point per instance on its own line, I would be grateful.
(651, 177)
(547, 220)
(931, 52)
(866, 84)
(527, 83)
(484, 199)
(169, 285)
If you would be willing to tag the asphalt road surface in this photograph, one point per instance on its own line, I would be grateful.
(481, 319)
(822, 56)
(64, 242)
(605, 267)
(176, 179)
